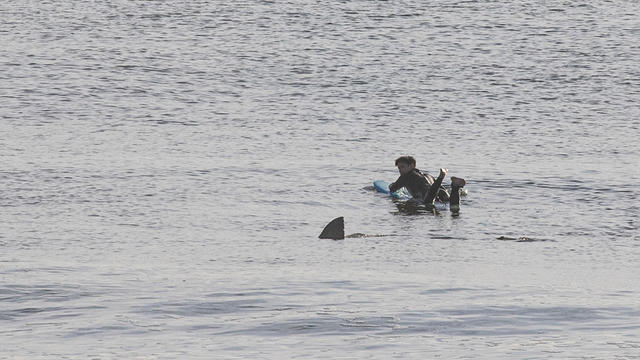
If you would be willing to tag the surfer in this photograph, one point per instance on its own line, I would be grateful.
(425, 187)
(422, 186)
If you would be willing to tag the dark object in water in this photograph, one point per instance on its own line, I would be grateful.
(361, 235)
(521, 239)
(334, 230)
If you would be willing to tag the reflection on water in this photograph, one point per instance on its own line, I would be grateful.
(412, 207)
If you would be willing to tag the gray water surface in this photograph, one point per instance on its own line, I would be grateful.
(166, 168)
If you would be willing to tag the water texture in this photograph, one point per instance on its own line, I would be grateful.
(167, 166)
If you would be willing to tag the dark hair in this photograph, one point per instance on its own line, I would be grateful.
(409, 160)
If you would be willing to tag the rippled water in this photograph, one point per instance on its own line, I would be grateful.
(166, 168)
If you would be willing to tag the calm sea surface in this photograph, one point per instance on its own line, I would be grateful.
(166, 168)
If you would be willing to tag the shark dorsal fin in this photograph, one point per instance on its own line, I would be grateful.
(334, 229)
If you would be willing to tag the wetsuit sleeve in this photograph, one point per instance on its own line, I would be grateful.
(399, 184)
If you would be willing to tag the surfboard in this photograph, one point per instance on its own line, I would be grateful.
(382, 186)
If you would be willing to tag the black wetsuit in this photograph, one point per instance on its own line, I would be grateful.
(418, 183)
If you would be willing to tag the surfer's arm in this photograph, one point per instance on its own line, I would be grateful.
(399, 184)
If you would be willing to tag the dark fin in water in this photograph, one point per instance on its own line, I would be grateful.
(334, 230)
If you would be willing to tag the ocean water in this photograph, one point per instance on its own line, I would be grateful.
(166, 168)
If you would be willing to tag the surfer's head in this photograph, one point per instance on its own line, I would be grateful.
(405, 164)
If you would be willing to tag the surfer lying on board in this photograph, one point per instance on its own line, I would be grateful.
(424, 187)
